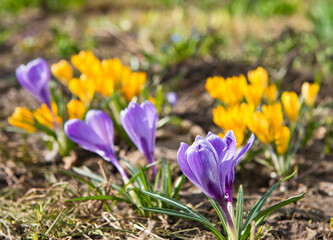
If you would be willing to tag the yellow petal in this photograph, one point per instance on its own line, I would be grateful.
(309, 93)
(258, 76)
(271, 93)
(23, 118)
(254, 94)
(76, 109)
(290, 105)
(83, 87)
(62, 71)
(282, 139)
(44, 116)
(133, 85)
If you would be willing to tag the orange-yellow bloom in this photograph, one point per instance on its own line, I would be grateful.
(290, 105)
(254, 94)
(235, 117)
(258, 76)
(230, 91)
(44, 116)
(76, 109)
(271, 93)
(83, 87)
(23, 118)
(282, 139)
(309, 93)
(62, 71)
(133, 84)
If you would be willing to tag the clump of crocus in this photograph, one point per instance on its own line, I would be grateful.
(255, 105)
(210, 164)
(95, 134)
(140, 123)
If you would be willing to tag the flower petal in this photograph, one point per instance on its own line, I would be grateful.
(102, 125)
(79, 132)
(245, 149)
(216, 142)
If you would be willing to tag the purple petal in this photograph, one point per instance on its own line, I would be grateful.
(216, 142)
(102, 125)
(202, 160)
(35, 77)
(245, 149)
(79, 132)
(172, 98)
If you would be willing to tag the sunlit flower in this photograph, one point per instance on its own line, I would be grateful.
(44, 116)
(133, 85)
(116, 72)
(23, 118)
(271, 93)
(259, 77)
(62, 71)
(309, 93)
(282, 139)
(253, 94)
(140, 122)
(35, 77)
(234, 118)
(83, 87)
(290, 105)
(210, 164)
(230, 91)
(76, 109)
(95, 135)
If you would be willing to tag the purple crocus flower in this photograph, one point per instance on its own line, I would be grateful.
(172, 98)
(210, 164)
(95, 135)
(139, 122)
(35, 78)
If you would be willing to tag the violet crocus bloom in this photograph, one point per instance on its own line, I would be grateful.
(210, 164)
(172, 98)
(95, 135)
(35, 78)
(140, 122)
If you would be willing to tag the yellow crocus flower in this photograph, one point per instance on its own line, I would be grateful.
(62, 71)
(133, 85)
(274, 115)
(271, 93)
(234, 117)
(23, 118)
(214, 86)
(254, 94)
(260, 126)
(282, 139)
(76, 109)
(309, 93)
(290, 105)
(113, 69)
(258, 76)
(83, 87)
(44, 116)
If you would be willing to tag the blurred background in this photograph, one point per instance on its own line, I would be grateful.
(284, 36)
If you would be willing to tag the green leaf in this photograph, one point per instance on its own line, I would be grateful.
(166, 178)
(220, 213)
(99, 197)
(263, 214)
(239, 210)
(159, 98)
(257, 207)
(169, 120)
(189, 216)
(178, 186)
(85, 171)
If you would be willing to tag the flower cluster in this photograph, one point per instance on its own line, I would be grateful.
(107, 77)
(252, 104)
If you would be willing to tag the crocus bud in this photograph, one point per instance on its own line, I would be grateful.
(62, 71)
(172, 98)
(95, 135)
(290, 105)
(271, 93)
(35, 78)
(23, 118)
(258, 76)
(140, 122)
(309, 93)
(76, 109)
